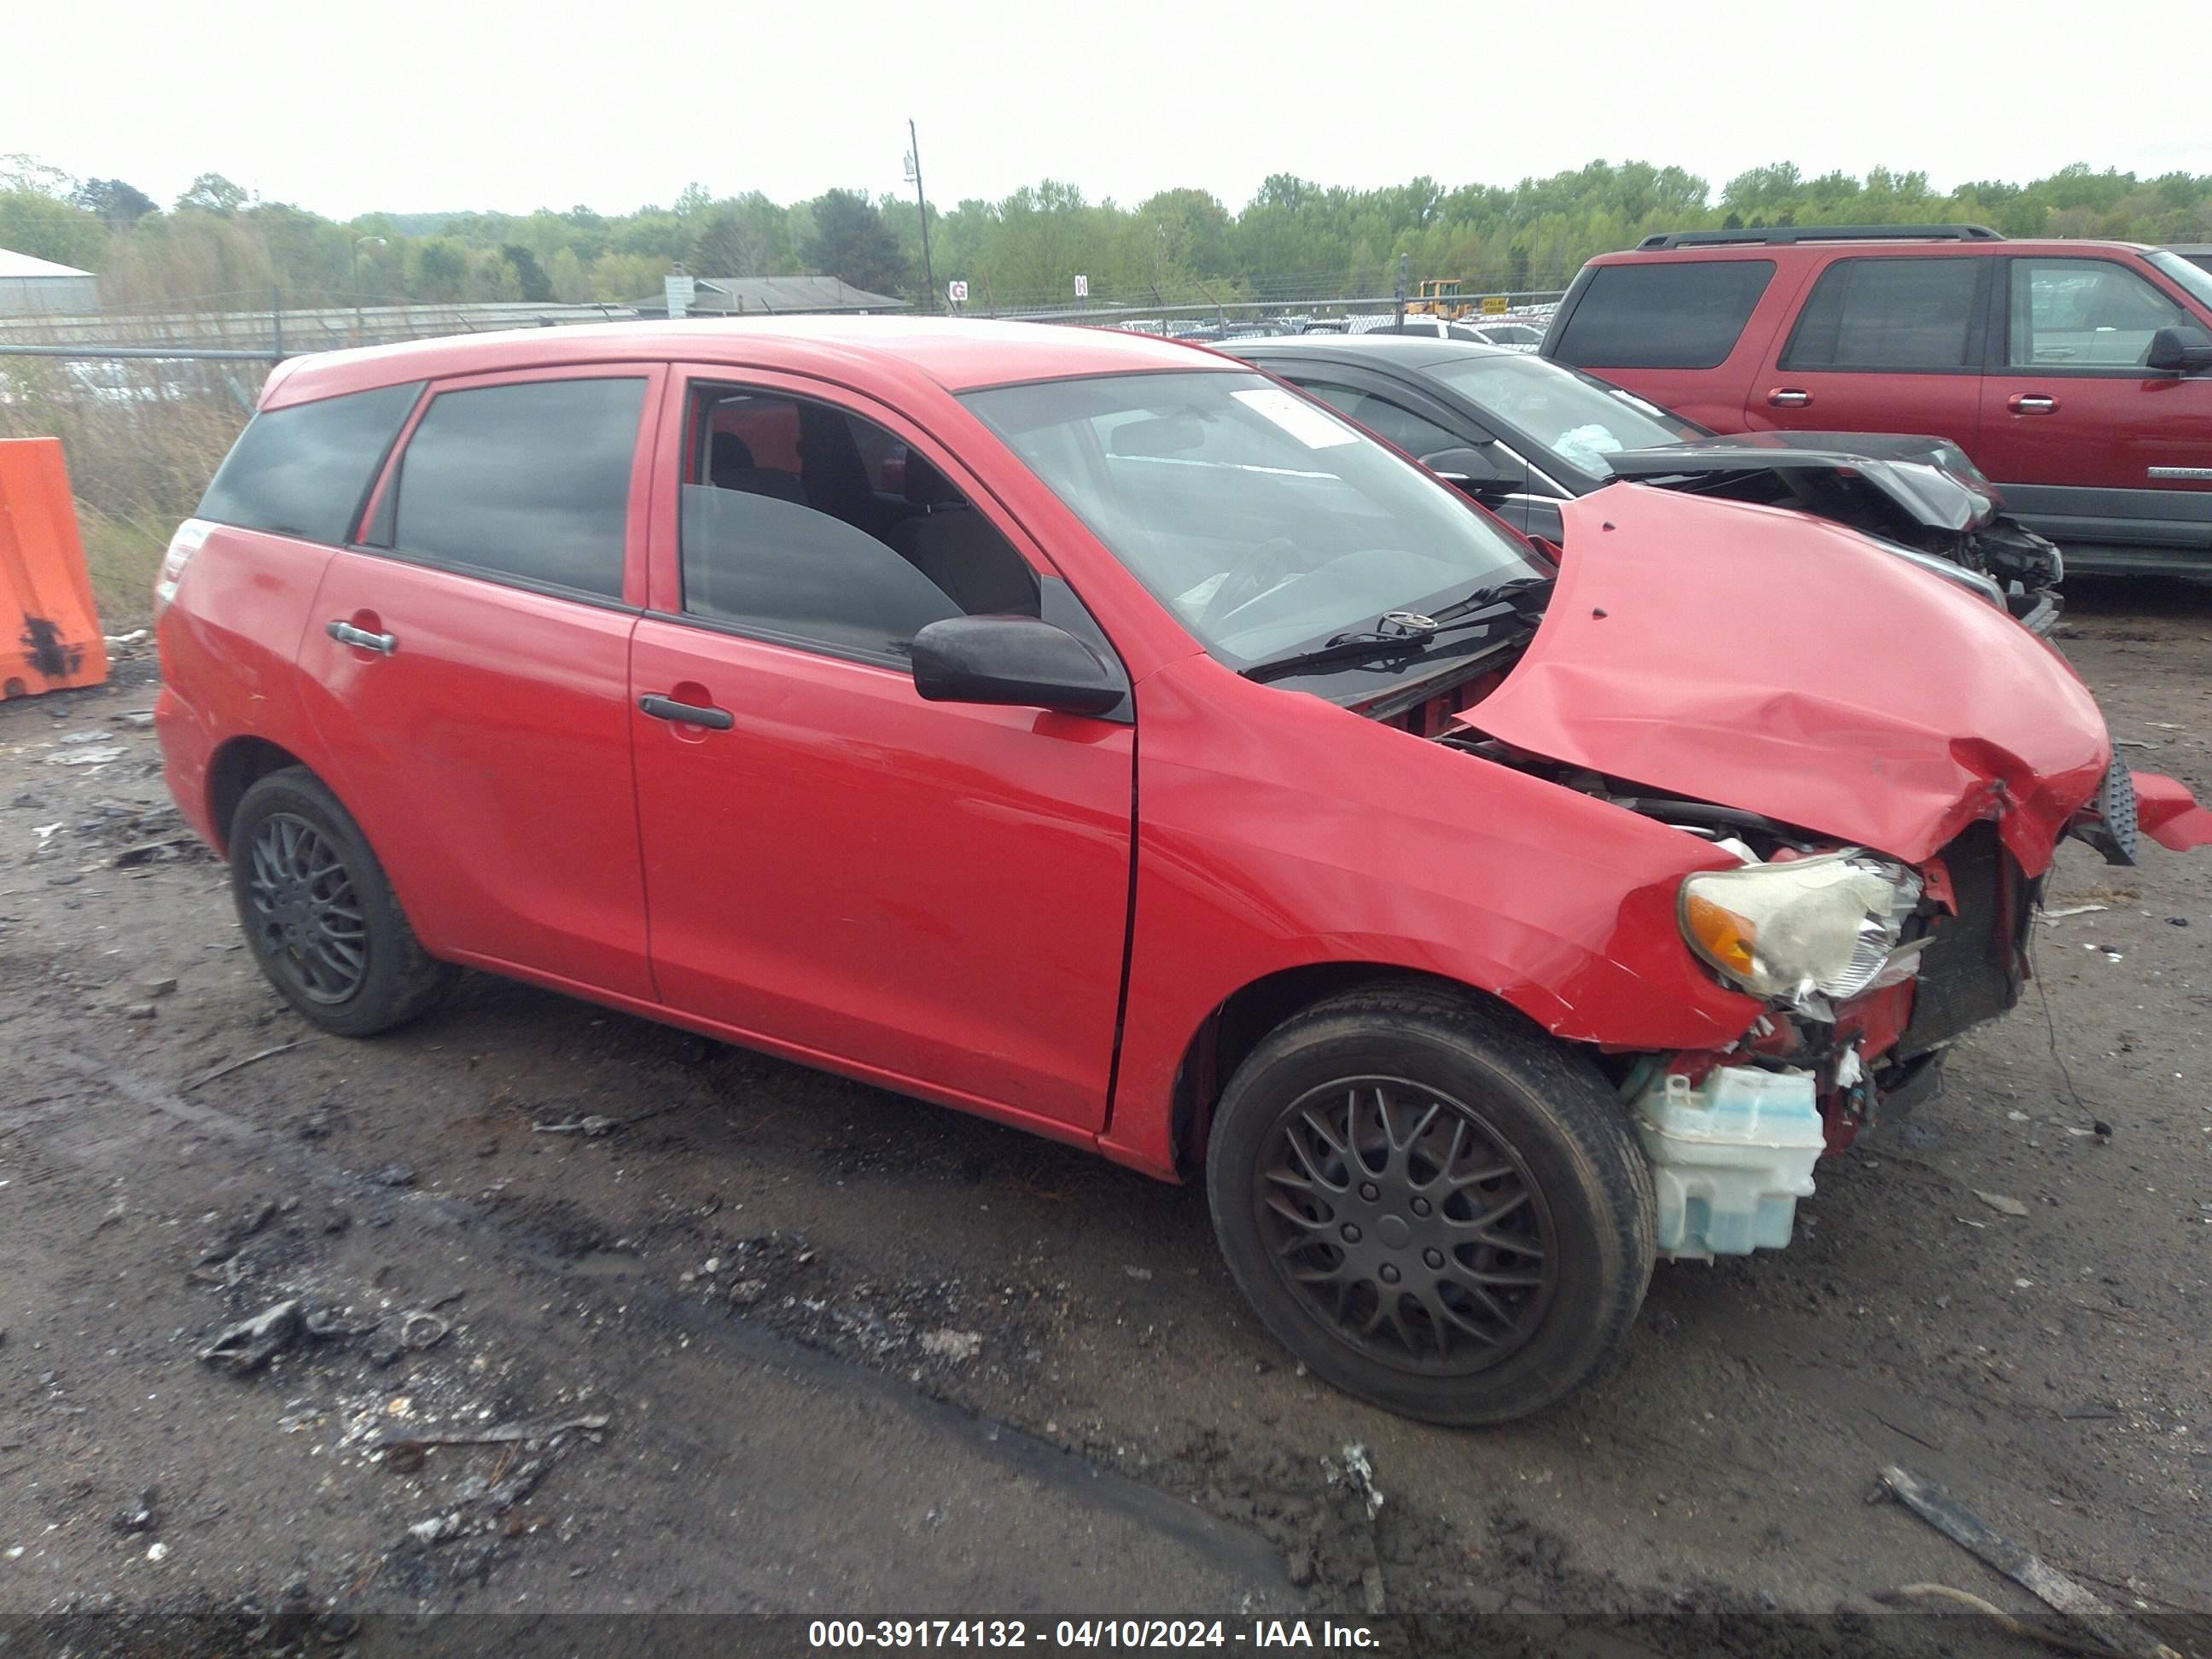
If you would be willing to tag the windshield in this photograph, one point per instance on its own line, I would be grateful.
(1262, 519)
(1582, 419)
(2192, 279)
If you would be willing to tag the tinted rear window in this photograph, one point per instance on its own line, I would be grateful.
(1663, 314)
(1888, 314)
(530, 481)
(304, 471)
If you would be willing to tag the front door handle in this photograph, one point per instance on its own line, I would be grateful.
(2031, 403)
(687, 714)
(346, 633)
(1789, 397)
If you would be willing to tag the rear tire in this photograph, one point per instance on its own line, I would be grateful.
(1436, 1206)
(319, 915)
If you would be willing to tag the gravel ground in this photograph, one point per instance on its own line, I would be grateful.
(835, 1350)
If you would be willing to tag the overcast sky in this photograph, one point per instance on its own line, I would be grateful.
(410, 105)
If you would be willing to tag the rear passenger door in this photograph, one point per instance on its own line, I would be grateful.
(933, 896)
(467, 666)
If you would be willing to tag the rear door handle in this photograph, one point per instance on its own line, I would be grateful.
(2031, 403)
(1789, 397)
(346, 633)
(687, 714)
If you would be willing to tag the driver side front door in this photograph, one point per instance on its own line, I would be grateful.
(931, 896)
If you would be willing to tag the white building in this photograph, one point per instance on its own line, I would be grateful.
(29, 286)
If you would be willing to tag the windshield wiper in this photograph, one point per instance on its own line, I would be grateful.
(1409, 634)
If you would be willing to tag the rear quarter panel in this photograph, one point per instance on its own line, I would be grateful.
(229, 642)
(1715, 397)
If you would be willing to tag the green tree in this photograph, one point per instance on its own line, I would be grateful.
(212, 193)
(530, 277)
(114, 200)
(35, 224)
(851, 242)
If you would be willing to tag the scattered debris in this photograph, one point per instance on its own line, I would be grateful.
(958, 1346)
(2046, 1581)
(92, 755)
(485, 1503)
(1137, 1272)
(594, 1124)
(251, 1344)
(420, 1330)
(498, 1434)
(2000, 1203)
(239, 1064)
(138, 720)
(1356, 1473)
(2052, 918)
(157, 1552)
(392, 1175)
(2004, 1621)
(138, 1517)
(162, 986)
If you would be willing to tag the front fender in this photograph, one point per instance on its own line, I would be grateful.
(1277, 831)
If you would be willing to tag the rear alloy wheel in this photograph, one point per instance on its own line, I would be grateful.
(319, 914)
(1433, 1205)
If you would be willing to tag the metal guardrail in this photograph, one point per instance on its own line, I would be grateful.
(272, 336)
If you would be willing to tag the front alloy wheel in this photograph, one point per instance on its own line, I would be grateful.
(1403, 1218)
(1434, 1206)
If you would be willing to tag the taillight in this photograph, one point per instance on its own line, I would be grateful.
(182, 545)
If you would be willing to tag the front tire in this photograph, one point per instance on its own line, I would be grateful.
(319, 915)
(1436, 1206)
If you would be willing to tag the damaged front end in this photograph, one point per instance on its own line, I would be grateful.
(1889, 764)
(1920, 497)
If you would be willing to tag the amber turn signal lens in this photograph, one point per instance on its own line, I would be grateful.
(1725, 938)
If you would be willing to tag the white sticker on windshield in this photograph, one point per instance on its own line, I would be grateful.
(1297, 417)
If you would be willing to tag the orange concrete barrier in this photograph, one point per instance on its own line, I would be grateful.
(50, 634)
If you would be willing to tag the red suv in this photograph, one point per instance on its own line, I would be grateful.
(2077, 375)
(1087, 732)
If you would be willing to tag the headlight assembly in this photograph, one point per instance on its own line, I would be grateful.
(1810, 932)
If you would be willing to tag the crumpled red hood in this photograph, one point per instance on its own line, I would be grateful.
(1765, 660)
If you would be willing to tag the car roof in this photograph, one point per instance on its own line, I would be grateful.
(955, 353)
(1404, 351)
(2040, 246)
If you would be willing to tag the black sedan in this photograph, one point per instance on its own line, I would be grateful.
(1522, 433)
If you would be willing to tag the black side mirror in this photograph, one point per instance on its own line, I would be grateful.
(1015, 660)
(1468, 468)
(2178, 352)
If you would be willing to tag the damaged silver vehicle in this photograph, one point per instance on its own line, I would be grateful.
(1523, 435)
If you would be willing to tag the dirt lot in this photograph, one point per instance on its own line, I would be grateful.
(854, 1353)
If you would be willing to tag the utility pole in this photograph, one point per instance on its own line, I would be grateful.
(1401, 291)
(914, 172)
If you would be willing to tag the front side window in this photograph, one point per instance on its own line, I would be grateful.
(303, 471)
(1670, 314)
(1263, 521)
(529, 480)
(2084, 313)
(1579, 419)
(1875, 314)
(809, 525)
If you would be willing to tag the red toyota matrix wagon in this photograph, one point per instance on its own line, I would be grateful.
(1089, 733)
